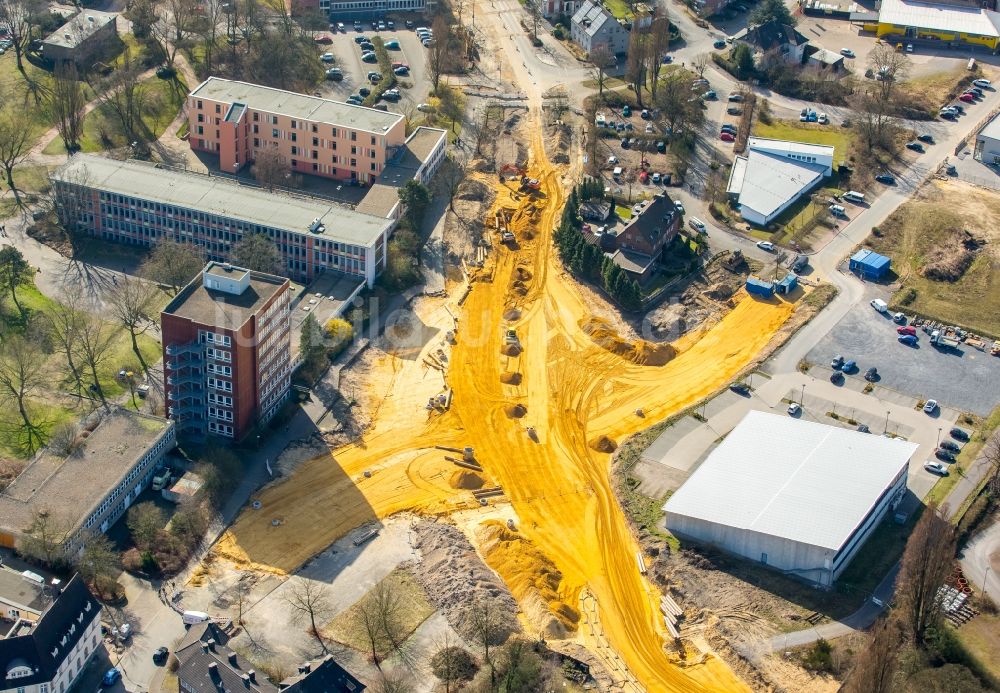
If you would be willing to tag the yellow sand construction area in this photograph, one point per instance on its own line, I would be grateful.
(542, 419)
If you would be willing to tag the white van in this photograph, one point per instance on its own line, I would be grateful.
(879, 305)
(838, 211)
(853, 196)
(190, 618)
(617, 172)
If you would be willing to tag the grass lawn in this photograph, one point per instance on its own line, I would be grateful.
(883, 548)
(414, 610)
(933, 227)
(164, 98)
(624, 213)
(29, 180)
(834, 135)
(932, 91)
(981, 637)
(620, 9)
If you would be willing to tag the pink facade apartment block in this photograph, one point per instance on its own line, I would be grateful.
(320, 137)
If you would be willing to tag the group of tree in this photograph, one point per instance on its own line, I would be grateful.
(172, 264)
(644, 60)
(162, 548)
(402, 264)
(874, 101)
(771, 10)
(912, 649)
(319, 345)
(587, 260)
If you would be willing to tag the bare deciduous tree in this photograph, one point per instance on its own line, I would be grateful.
(489, 631)
(926, 561)
(379, 617)
(144, 522)
(16, 18)
(124, 94)
(438, 50)
(20, 379)
(94, 342)
(175, 18)
(206, 28)
(133, 303)
(308, 600)
(873, 670)
(45, 537)
(172, 264)
(65, 322)
(700, 63)
(889, 68)
(67, 103)
(99, 564)
(637, 63)
(602, 58)
(659, 45)
(992, 454)
(452, 664)
(15, 144)
(270, 168)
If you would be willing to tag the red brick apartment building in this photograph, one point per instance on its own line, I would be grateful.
(317, 136)
(226, 351)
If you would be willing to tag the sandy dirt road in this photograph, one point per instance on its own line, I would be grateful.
(570, 391)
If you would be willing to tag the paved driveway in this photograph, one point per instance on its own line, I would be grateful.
(965, 378)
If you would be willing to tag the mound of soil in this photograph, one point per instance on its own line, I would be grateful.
(466, 479)
(515, 411)
(510, 350)
(518, 287)
(947, 261)
(720, 291)
(603, 444)
(639, 352)
(456, 580)
(511, 314)
(532, 577)
(522, 273)
(509, 378)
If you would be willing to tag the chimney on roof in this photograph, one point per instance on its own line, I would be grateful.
(213, 670)
(204, 647)
(211, 644)
(246, 681)
(252, 675)
(232, 660)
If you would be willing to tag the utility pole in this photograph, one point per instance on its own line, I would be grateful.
(886, 422)
(802, 397)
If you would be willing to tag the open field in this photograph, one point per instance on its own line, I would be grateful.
(941, 228)
(535, 418)
(981, 637)
(833, 134)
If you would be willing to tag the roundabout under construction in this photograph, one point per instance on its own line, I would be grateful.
(542, 392)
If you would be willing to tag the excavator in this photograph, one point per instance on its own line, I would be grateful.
(518, 172)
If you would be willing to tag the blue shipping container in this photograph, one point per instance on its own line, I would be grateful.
(759, 287)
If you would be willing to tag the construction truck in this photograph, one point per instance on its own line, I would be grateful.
(943, 341)
(530, 183)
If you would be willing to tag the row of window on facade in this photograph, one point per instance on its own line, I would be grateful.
(272, 119)
(152, 453)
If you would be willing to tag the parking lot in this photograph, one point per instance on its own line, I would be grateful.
(963, 378)
(347, 56)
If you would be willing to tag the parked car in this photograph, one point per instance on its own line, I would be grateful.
(800, 263)
(944, 455)
(709, 95)
(401, 71)
(794, 409)
(369, 57)
(907, 339)
(390, 25)
(915, 146)
(981, 83)
(361, 39)
(871, 375)
(736, 97)
(322, 38)
(929, 139)
(977, 91)
(959, 434)
(408, 24)
(661, 147)
(936, 468)
(967, 98)
(698, 225)
(823, 119)
(734, 110)
(836, 377)
(341, 28)
(327, 57)
(719, 44)
(849, 366)
(740, 388)
(906, 329)
(365, 92)
(111, 677)
(863, 428)
(948, 445)
(392, 45)
(335, 74)
(427, 108)
(909, 48)
(644, 114)
(679, 206)
(656, 178)
(847, 53)
(885, 179)
(899, 318)
(837, 361)
(930, 406)
(160, 655)
(765, 245)
(727, 136)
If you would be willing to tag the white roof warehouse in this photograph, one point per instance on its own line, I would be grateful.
(797, 496)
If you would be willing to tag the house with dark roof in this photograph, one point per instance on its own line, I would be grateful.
(206, 665)
(775, 37)
(47, 655)
(639, 245)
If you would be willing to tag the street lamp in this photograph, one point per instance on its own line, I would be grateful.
(938, 444)
(802, 397)
(985, 573)
(886, 422)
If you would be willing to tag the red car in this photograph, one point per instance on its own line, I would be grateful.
(726, 137)
(907, 329)
(323, 38)
(967, 98)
